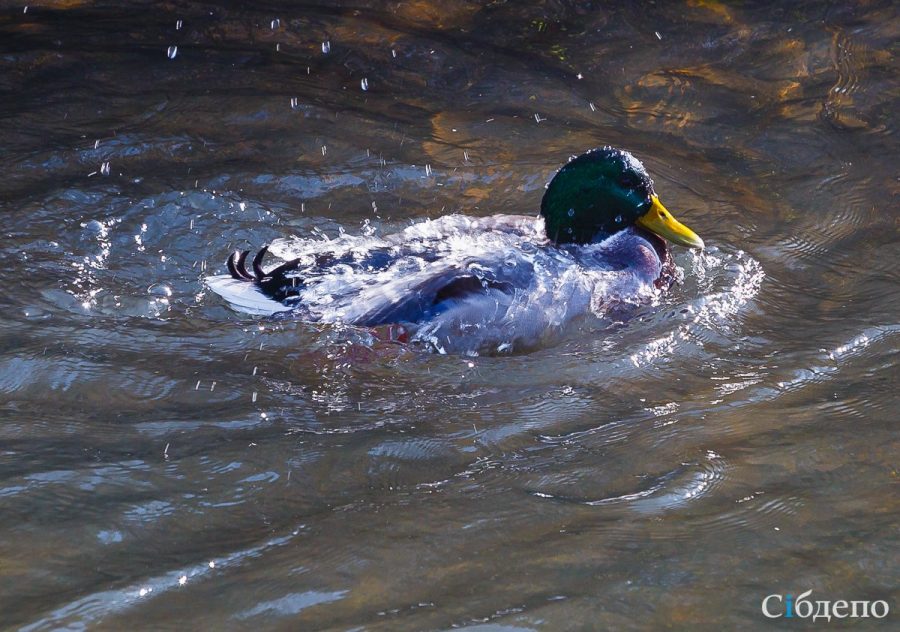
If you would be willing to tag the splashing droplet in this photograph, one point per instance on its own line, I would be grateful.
(364, 84)
(326, 47)
(276, 23)
(294, 103)
(173, 50)
(178, 25)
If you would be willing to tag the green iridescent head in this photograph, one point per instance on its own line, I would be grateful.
(602, 192)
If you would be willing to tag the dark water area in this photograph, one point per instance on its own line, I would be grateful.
(169, 463)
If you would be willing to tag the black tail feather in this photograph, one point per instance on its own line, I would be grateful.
(232, 270)
(280, 271)
(275, 283)
(236, 267)
(257, 263)
(242, 266)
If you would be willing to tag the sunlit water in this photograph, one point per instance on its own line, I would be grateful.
(168, 461)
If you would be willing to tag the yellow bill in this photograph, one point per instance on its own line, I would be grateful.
(660, 221)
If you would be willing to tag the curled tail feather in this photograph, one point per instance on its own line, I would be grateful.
(275, 283)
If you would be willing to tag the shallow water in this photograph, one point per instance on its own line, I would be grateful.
(168, 462)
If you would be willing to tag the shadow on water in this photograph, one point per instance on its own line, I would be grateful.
(165, 459)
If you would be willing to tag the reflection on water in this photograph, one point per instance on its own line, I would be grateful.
(165, 459)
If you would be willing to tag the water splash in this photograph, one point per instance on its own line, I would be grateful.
(713, 310)
(529, 289)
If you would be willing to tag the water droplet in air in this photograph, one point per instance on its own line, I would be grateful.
(173, 50)
(364, 84)
(294, 102)
(619, 219)
(326, 47)
(276, 23)
(571, 212)
(160, 289)
(104, 168)
(178, 25)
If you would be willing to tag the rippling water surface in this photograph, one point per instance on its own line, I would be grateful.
(168, 462)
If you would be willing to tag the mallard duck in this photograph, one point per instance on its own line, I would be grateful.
(500, 283)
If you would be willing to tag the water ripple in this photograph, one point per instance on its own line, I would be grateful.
(95, 607)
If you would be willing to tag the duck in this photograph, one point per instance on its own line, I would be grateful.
(472, 285)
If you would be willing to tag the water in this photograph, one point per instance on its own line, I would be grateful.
(168, 462)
